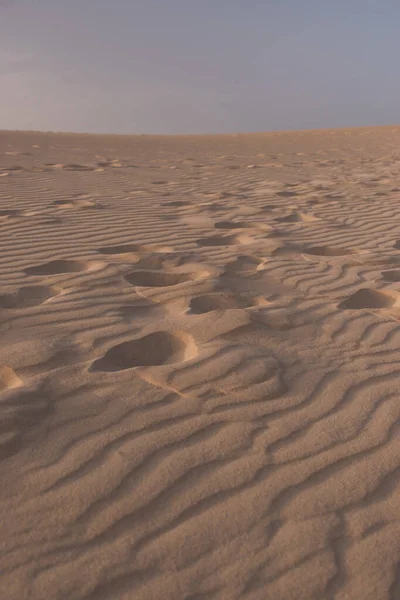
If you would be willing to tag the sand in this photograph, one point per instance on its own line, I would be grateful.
(199, 366)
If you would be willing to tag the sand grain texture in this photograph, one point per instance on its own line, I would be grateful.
(199, 366)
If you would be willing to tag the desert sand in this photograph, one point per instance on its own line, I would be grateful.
(199, 366)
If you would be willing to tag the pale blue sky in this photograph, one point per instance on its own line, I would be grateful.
(198, 66)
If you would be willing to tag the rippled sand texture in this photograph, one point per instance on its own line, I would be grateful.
(199, 366)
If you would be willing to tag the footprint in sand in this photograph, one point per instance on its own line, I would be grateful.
(213, 206)
(230, 225)
(141, 309)
(242, 225)
(328, 251)
(136, 248)
(28, 296)
(217, 240)
(176, 204)
(392, 276)
(113, 163)
(5, 214)
(368, 298)
(286, 194)
(218, 301)
(144, 278)
(297, 217)
(246, 264)
(15, 169)
(154, 349)
(76, 203)
(56, 267)
(77, 167)
(81, 196)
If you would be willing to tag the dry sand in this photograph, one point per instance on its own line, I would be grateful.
(199, 366)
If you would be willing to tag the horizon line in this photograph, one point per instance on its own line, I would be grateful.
(216, 134)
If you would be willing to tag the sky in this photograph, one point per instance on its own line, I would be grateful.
(198, 66)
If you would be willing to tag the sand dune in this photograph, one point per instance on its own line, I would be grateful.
(199, 366)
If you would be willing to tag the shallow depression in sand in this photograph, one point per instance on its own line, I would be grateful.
(4, 214)
(76, 203)
(158, 348)
(209, 302)
(328, 251)
(155, 278)
(56, 267)
(229, 225)
(297, 217)
(391, 276)
(219, 240)
(128, 248)
(25, 297)
(367, 298)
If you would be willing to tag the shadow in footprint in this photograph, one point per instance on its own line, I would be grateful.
(210, 302)
(176, 204)
(286, 194)
(155, 278)
(27, 296)
(297, 217)
(229, 225)
(76, 167)
(129, 248)
(244, 264)
(158, 348)
(392, 276)
(139, 311)
(367, 298)
(328, 251)
(76, 203)
(56, 267)
(217, 240)
(4, 214)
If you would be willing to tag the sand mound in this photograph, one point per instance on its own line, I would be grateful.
(8, 379)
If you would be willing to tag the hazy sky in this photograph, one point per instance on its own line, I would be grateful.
(198, 66)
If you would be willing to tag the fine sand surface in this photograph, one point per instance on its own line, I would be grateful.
(199, 366)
